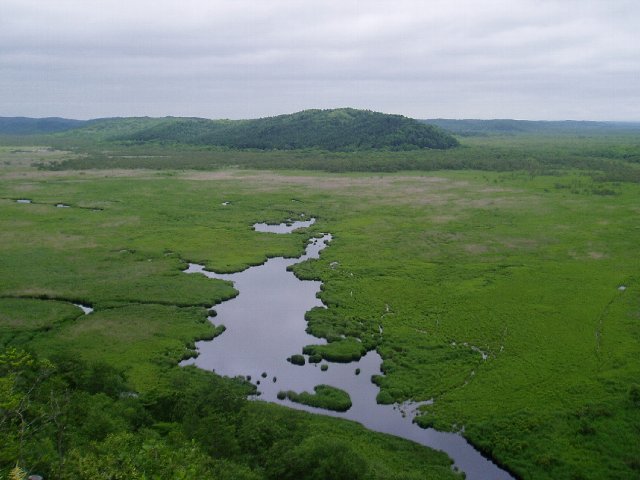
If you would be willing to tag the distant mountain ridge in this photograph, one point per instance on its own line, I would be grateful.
(472, 127)
(342, 129)
(31, 126)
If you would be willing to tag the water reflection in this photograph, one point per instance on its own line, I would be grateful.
(287, 227)
(85, 309)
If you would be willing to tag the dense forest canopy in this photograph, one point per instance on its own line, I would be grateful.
(339, 129)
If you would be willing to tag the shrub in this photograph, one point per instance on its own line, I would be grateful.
(324, 396)
(634, 395)
(384, 398)
(297, 359)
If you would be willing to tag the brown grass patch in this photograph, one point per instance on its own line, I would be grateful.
(79, 174)
(270, 180)
(476, 248)
(442, 218)
(520, 243)
(32, 292)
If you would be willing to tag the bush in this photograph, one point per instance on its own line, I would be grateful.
(296, 359)
(384, 398)
(342, 351)
(315, 358)
(634, 395)
(325, 396)
(319, 458)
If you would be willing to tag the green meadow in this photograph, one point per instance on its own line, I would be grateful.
(511, 298)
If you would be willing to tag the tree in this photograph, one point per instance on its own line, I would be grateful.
(319, 458)
(21, 417)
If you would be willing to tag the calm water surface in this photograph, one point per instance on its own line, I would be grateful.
(265, 325)
(283, 227)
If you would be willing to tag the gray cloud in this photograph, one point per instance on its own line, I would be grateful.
(245, 58)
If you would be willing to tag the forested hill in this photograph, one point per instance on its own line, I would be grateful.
(339, 129)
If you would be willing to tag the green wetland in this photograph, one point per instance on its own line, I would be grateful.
(508, 295)
(266, 321)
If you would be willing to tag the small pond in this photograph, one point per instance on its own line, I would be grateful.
(286, 227)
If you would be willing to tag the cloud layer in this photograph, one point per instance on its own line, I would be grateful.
(542, 59)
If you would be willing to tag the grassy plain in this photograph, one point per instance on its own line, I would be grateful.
(522, 267)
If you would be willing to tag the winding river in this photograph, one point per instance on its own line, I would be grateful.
(265, 325)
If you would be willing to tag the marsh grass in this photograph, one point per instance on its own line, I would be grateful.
(341, 351)
(23, 319)
(524, 265)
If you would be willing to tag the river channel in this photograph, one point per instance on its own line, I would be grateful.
(265, 325)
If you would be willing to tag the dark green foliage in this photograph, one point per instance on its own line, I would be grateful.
(148, 455)
(94, 377)
(340, 129)
(318, 459)
(342, 351)
(384, 398)
(56, 424)
(297, 359)
(324, 396)
(634, 395)
(315, 358)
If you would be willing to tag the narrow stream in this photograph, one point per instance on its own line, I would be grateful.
(287, 227)
(85, 309)
(265, 325)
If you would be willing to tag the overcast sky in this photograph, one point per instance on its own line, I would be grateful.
(525, 59)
